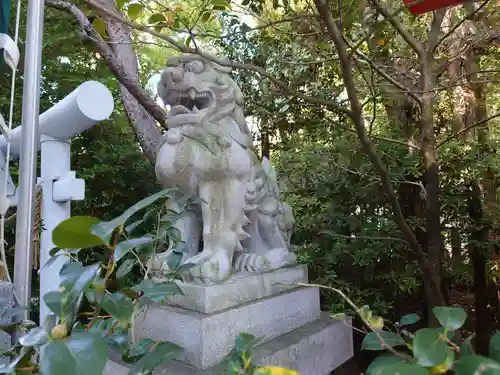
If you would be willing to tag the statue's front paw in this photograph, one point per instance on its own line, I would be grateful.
(212, 267)
(278, 258)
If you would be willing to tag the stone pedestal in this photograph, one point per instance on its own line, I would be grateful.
(287, 318)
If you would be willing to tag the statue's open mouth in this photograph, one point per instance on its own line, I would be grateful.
(187, 102)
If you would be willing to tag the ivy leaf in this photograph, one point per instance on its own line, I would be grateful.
(494, 346)
(451, 318)
(134, 11)
(75, 233)
(124, 247)
(125, 268)
(372, 341)
(161, 353)
(429, 348)
(120, 307)
(475, 364)
(82, 353)
(408, 320)
(104, 229)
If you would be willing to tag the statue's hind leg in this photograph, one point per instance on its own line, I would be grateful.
(223, 218)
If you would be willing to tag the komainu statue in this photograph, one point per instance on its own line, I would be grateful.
(241, 224)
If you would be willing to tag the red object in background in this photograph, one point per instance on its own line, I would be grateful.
(425, 6)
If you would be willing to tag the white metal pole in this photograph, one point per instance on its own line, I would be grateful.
(28, 155)
(55, 157)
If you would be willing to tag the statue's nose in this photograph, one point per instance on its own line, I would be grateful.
(190, 79)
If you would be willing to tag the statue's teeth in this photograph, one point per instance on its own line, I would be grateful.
(195, 109)
(192, 94)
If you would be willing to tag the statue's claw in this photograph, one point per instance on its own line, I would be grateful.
(212, 267)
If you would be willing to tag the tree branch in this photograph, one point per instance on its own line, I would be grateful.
(131, 84)
(465, 130)
(357, 117)
(469, 16)
(182, 48)
(433, 35)
(401, 29)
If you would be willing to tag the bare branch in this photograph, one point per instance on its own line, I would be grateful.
(469, 16)
(401, 29)
(182, 48)
(113, 64)
(382, 73)
(357, 117)
(433, 35)
(465, 130)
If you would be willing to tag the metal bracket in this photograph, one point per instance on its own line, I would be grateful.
(68, 188)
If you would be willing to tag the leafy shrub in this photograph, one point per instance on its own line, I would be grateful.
(73, 340)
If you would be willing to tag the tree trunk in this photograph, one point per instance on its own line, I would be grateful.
(144, 125)
(432, 273)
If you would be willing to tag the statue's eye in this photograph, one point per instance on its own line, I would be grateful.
(195, 66)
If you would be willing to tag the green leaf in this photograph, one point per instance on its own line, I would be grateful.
(494, 346)
(133, 226)
(75, 233)
(52, 260)
(100, 27)
(53, 302)
(125, 268)
(157, 18)
(466, 347)
(140, 347)
(174, 259)
(161, 354)
(372, 340)
(134, 11)
(157, 291)
(451, 318)
(105, 229)
(244, 342)
(120, 4)
(54, 251)
(408, 320)
(74, 280)
(401, 368)
(34, 337)
(476, 364)
(83, 353)
(379, 363)
(124, 247)
(429, 348)
(120, 307)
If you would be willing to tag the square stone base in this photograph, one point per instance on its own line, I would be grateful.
(316, 348)
(285, 317)
(239, 289)
(208, 338)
